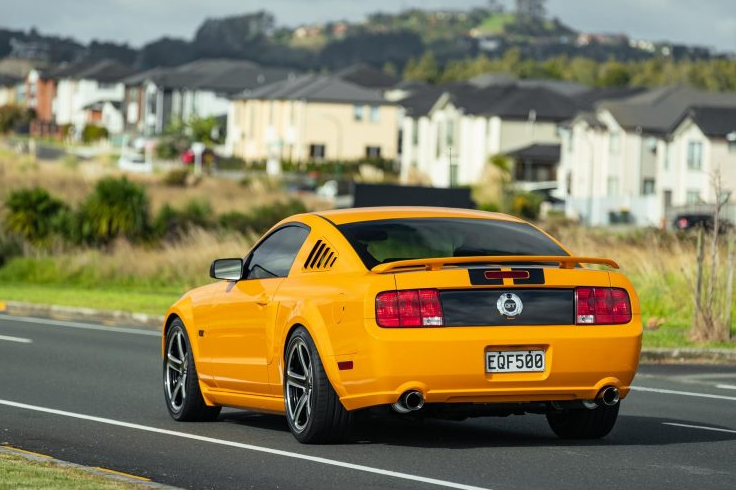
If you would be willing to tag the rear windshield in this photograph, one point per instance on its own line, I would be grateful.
(381, 241)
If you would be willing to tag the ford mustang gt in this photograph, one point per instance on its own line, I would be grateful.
(430, 312)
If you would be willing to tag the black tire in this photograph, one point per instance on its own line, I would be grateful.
(185, 403)
(584, 423)
(321, 418)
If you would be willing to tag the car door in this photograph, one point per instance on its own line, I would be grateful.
(243, 310)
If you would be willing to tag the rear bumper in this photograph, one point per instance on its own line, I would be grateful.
(447, 364)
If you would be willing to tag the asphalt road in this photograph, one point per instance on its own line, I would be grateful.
(93, 396)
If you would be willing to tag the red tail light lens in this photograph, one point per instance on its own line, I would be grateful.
(409, 308)
(601, 306)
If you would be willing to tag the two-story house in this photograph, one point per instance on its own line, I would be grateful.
(203, 88)
(616, 160)
(80, 86)
(450, 133)
(313, 118)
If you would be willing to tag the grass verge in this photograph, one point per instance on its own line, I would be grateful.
(20, 473)
(136, 301)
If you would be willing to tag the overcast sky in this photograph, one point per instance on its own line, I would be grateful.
(708, 23)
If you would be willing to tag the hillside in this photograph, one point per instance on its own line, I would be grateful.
(382, 39)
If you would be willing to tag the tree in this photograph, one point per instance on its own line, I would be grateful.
(32, 214)
(116, 208)
(426, 69)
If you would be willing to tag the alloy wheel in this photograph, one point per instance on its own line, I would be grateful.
(177, 364)
(299, 379)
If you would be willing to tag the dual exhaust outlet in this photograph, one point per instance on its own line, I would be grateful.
(409, 401)
(413, 400)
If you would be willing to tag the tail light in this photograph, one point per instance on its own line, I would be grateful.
(409, 308)
(601, 306)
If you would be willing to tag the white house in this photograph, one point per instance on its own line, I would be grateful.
(618, 161)
(82, 85)
(450, 133)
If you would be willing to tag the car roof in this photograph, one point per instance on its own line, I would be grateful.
(353, 215)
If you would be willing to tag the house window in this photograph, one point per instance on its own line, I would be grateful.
(375, 114)
(614, 143)
(692, 197)
(694, 155)
(647, 187)
(612, 186)
(373, 152)
(358, 112)
(317, 151)
(732, 146)
(450, 134)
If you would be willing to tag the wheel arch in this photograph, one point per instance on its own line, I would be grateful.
(324, 350)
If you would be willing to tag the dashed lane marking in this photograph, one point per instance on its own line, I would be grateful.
(701, 427)
(683, 393)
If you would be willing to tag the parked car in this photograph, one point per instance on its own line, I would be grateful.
(208, 157)
(135, 162)
(690, 221)
(454, 313)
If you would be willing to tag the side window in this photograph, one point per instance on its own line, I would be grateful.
(275, 255)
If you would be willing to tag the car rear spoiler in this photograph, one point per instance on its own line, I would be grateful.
(435, 264)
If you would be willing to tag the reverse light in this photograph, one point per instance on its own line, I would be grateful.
(409, 308)
(602, 306)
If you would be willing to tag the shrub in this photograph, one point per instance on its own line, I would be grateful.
(32, 214)
(176, 177)
(526, 205)
(13, 117)
(10, 246)
(92, 133)
(171, 223)
(261, 218)
(116, 207)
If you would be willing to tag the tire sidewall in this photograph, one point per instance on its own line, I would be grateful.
(317, 371)
(191, 372)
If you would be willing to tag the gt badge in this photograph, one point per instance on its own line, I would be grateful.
(509, 305)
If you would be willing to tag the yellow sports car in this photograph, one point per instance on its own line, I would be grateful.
(430, 311)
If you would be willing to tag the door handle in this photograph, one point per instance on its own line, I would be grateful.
(262, 300)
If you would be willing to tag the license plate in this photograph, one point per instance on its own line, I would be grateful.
(515, 361)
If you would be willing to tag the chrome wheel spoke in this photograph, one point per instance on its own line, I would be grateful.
(303, 402)
(298, 389)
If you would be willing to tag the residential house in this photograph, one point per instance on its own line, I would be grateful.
(203, 88)
(313, 117)
(450, 133)
(80, 86)
(617, 159)
(8, 89)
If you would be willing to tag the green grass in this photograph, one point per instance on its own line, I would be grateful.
(19, 473)
(132, 300)
(495, 24)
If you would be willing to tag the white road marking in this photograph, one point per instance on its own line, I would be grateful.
(683, 393)
(16, 339)
(250, 447)
(726, 387)
(84, 326)
(702, 427)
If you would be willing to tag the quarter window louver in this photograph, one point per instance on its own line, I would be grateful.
(321, 258)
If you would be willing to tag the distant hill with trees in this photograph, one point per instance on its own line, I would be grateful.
(429, 45)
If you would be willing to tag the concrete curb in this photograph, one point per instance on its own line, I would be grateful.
(689, 354)
(108, 474)
(90, 315)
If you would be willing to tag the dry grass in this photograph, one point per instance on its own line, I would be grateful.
(72, 181)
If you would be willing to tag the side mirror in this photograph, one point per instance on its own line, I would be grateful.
(227, 269)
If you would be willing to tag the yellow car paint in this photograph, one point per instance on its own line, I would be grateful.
(238, 331)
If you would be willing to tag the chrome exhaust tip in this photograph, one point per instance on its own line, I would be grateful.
(609, 396)
(409, 401)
